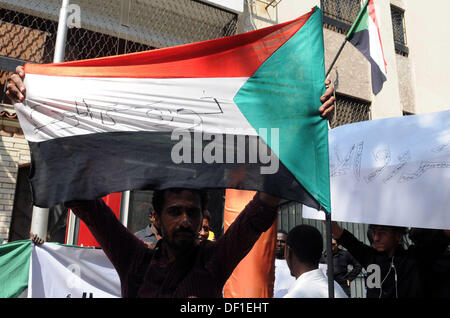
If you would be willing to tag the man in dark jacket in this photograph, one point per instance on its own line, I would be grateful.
(341, 260)
(436, 269)
(401, 270)
(178, 267)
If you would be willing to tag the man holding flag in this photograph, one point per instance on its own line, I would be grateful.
(179, 267)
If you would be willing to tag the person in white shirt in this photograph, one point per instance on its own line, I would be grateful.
(303, 250)
(283, 277)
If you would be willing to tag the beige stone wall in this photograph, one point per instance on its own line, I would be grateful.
(291, 9)
(427, 30)
(14, 151)
(405, 84)
(351, 73)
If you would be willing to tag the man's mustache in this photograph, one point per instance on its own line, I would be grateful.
(185, 231)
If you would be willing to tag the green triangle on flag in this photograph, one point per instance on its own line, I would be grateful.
(14, 268)
(288, 87)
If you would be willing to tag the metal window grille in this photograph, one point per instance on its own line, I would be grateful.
(349, 110)
(28, 28)
(398, 28)
(339, 15)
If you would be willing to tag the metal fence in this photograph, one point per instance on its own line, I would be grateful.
(104, 28)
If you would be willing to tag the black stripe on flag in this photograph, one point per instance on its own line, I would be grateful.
(89, 166)
(361, 41)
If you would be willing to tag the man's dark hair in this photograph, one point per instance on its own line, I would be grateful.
(282, 231)
(207, 215)
(370, 235)
(307, 244)
(158, 198)
(398, 229)
(150, 210)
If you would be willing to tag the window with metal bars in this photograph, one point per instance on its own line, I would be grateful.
(339, 15)
(398, 28)
(349, 110)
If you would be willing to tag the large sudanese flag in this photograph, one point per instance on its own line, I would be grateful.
(236, 112)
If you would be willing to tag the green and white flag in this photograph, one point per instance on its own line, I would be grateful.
(54, 270)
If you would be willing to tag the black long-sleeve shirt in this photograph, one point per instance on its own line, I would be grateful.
(341, 260)
(202, 272)
(406, 278)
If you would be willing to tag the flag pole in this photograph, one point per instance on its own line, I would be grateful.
(330, 265)
(335, 58)
(349, 34)
(61, 34)
(39, 219)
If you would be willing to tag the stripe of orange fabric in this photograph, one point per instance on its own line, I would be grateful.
(373, 16)
(234, 56)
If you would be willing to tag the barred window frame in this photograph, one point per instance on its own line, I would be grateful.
(350, 109)
(339, 15)
(399, 30)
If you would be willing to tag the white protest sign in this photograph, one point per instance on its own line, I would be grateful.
(393, 171)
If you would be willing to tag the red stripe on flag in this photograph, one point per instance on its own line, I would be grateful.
(373, 16)
(233, 56)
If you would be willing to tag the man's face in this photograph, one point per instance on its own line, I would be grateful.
(334, 246)
(151, 218)
(385, 239)
(180, 219)
(204, 230)
(281, 243)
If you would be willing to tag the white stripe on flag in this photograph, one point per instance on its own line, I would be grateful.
(70, 106)
(376, 51)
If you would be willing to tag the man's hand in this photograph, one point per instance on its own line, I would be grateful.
(268, 199)
(327, 100)
(150, 244)
(16, 88)
(36, 239)
(336, 230)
